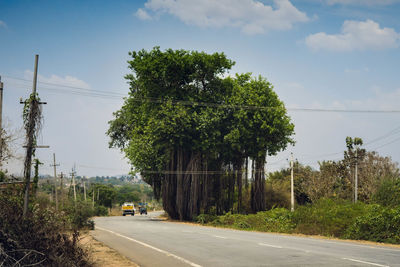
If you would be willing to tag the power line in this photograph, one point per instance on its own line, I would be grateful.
(109, 94)
(392, 132)
(66, 86)
(391, 142)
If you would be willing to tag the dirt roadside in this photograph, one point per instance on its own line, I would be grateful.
(102, 255)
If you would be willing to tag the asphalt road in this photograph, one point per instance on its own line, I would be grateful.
(151, 242)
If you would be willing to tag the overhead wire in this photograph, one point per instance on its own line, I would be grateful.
(110, 94)
(114, 95)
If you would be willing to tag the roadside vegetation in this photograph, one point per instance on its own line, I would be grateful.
(326, 206)
(50, 237)
(327, 217)
(201, 137)
(44, 237)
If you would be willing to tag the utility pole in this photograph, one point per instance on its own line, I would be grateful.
(291, 184)
(61, 190)
(356, 179)
(73, 182)
(55, 178)
(84, 189)
(1, 118)
(30, 135)
(93, 199)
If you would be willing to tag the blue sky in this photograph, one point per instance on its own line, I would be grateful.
(327, 54)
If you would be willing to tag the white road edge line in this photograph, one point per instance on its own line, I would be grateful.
(218, 236)
(149, 246)
(268, 245)
(366, 262)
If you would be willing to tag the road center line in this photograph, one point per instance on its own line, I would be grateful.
(218, 236)
(366, 262)
(268, 245)
(150, 246)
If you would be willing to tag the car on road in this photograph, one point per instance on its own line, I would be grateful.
(128, 208)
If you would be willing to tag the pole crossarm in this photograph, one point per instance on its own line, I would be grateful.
(40, 146)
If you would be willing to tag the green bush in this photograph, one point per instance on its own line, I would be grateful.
(205, 218)
(100, 211)
(275, 220)
(378, 224)
(78, 215)
(327, 217)
(388, 193)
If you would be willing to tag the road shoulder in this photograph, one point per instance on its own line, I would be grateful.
(103, 255)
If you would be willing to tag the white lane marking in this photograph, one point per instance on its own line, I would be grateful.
(339, 242)
(185, 231)
(268, 245)
(366, 262)
(218, 236)
(149, 246)
(361, 246)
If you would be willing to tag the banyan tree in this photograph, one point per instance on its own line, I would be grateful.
(198, 136)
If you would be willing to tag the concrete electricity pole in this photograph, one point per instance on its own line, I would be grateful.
(1, 116)
(356, 179)
(30, 135)
(73, 182)
(1, 103)
(291, 184)
(84, 188)
(55, 178)
(61, 189)
(93, 199)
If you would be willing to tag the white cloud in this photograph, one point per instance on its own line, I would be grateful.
(362, 2)
(57, 80)
(251, 16)
(355, 35)
(3, 24)
(142, 14)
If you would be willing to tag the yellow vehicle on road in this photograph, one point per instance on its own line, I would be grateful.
(128, 208)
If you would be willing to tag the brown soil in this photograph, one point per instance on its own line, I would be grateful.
(102, 255)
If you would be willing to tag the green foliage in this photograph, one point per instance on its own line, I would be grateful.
(179, 101)
(327, 217)
(2, 176)
(377, 224)
(274, 220)
(100, 211)
(106, 194)
(205, 218)
(388, 193)
(128, 193)
(78, 215)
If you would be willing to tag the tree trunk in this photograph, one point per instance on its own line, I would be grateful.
(258, 192)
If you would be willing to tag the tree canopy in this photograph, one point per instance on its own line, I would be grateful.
(189, 128)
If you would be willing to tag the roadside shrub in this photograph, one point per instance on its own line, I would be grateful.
(275, 220)
(205, 218)
(277, 196)
(378, 224)
(78, 215)
(327, 217)
(388, 193)
(100, 211)
(37, 239)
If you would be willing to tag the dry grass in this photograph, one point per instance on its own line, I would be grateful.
(102, 255)
(115, 211)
